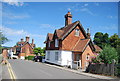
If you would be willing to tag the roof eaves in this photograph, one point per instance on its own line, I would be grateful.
(86, 45)
(69, 30)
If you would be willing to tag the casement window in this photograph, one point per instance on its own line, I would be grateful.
(56, 42)
(77, 32)
(56, 56)
(49, 44)
(48, 56)
(87, 57)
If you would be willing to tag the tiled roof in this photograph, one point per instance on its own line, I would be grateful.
(62, 31)
(97, 48)
(50, 36)
(80, 45)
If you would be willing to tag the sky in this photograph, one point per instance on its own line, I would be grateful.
(36, 19)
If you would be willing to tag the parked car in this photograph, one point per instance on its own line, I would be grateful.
(37, 58)
(14, 57)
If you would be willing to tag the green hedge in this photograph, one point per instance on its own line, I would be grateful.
(29, 58)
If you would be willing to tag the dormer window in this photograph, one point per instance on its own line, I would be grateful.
(56, 42)
(49, 44)
(77, 32)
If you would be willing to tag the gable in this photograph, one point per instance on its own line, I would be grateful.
(63, 32)
(27, 44)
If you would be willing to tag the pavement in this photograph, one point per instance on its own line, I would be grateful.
(83, 73)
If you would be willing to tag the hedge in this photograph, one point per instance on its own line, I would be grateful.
(29, 57)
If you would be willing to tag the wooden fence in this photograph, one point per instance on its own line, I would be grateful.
(106, 69)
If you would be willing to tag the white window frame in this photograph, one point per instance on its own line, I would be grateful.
(56, 56)
(56, 42)
(49, 44)
(48, 55)
(77, 32)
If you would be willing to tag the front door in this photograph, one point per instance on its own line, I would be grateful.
(78, 60)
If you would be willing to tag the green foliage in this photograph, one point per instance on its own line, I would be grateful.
(39, 50)
(29, 58)
(3, 40)
(101, 39)
(95, 60)
(115, 40)
(108, 54)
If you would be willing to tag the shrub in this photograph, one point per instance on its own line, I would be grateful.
(30, 57)
(108, 54)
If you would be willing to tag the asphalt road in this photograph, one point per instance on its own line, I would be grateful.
(31, 70)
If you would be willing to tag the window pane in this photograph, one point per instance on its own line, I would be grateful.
(56, 42)
(48, 56)
(77, 32)
(56, 55)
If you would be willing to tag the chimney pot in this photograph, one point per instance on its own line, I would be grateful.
(88, 32)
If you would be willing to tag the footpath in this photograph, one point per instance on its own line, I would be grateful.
(109, 78)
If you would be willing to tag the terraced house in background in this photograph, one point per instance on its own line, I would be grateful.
(70, 45)
(24, 48)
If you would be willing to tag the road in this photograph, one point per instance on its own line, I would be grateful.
(31, 70)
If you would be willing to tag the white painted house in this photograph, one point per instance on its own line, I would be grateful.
(70, 45)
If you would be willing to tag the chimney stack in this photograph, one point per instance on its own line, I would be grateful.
(27, 38)
(32, 41)
(68, 18)
(88, 32)
(21, 39)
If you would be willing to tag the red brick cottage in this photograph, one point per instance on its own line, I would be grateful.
(24, 48)
(70, 45)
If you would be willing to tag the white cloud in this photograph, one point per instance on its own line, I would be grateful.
(14, 16)
(85, 4)
(13, 2)
(9, 31)
(110, 27)
(69, 9)
(47, 26)
(111, 17)
(10, 22)
(87, 11)
(13, 32)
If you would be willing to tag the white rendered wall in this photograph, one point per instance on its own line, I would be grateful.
(65, 57)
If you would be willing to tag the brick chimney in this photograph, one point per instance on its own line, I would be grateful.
(68, 18)
(88, 32)
(22, 40)
(27, 38)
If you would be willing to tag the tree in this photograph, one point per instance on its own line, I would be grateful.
(3, 40)
(108, 54)
(114, 40)
(39, 50)
(101, 39)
